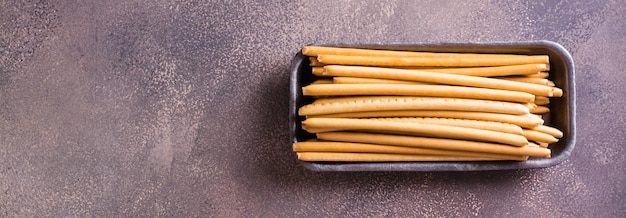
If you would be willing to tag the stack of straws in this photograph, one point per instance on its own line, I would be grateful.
(385, 106)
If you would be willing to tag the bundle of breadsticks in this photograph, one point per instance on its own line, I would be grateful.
(388, 106)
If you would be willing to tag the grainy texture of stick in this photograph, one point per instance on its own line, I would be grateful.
(493, 71)
(359, 80)
(420, 129)
(543, 75)
(540, 110)
(539, 81)
(537, 136)
(387, 103)
(451, 61)
(326, 146)
(476, 124)
(313, 62)
(318, 71)
(542, 100)
(374, 157)
(433, 77)
(417, 90)
(323, 50)
(437, 143)
(322, 81)
(549, 130)
(526, 121)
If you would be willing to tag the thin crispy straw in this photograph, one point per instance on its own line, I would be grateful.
(417, 90)
(324, 146)
(436, 143)
(442, 78)
(421, 129)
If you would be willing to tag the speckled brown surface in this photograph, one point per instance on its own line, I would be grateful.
(166, 108)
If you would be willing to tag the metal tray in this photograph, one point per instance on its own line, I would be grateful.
(562, 113)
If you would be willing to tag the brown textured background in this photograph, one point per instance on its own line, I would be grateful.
(179, 108)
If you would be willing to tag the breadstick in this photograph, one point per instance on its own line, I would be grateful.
(522, 69)
(387, 103)
(314, 63)
(557, 92)
(542, 75)
(372, 157)
(452, 61)
(549, 130)
(436, 143)
(417, 90)
(421, 129)
(359, 80)
(543, 144)
(324, 146)
(320, 50)
(322, 81)
(539, 110)
(532, 80)
(541, 100)
(476, 124)
(537, 136)
(525, 121)
(442, 78)
(318, 71)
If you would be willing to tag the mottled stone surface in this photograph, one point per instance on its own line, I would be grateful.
(178, 108)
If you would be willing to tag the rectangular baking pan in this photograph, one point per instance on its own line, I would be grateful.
(562, 113)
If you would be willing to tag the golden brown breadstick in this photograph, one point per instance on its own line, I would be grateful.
(557, 92)
(373, 157)
(325, 146)
(322, 81)
(542, 100)
(539, 110)
(421, 129)
(526, 121)
(436, 143)
(442, 78)
(386, 103)
(537, 136)
(359, 80)
(314, 63)
(319, 50)
(522, 69)
(417, 90)
(549, 130)
(318, 71)
(542, 75)
(532, 80)
(543, 144)
(452, 61)
(476, 124)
